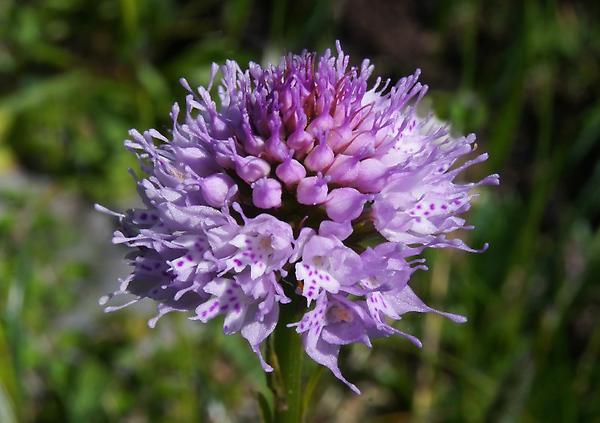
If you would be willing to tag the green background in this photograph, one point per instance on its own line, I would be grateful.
(75, 75)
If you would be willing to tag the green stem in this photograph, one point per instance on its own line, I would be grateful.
(288, 354)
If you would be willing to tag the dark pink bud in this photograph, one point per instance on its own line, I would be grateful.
(319, 157)
(219, 128)
(215, 189)
(312, 190)
(251, 168)
(198, 159)
(300, 141)
(286, 100)
(344, 204)
(274, 147)
(253, 144)
(266, 193)
(372, 175)
(338, 138)
(290, 172)
(224, 156)
(339, 115)
(344, 169)
(362, 140)
(321, 124)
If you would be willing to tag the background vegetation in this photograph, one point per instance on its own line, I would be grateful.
(75, 75)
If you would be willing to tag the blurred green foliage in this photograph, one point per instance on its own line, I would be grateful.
(75, 75)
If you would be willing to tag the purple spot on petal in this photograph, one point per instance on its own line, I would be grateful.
(143, 216)
(180, 263)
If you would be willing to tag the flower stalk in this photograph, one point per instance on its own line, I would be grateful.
(289, 354)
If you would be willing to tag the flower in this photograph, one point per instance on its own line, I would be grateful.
(302, 184)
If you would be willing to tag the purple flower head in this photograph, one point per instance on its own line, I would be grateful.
(296, 182)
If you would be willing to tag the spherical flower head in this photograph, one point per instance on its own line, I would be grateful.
(300, 182)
